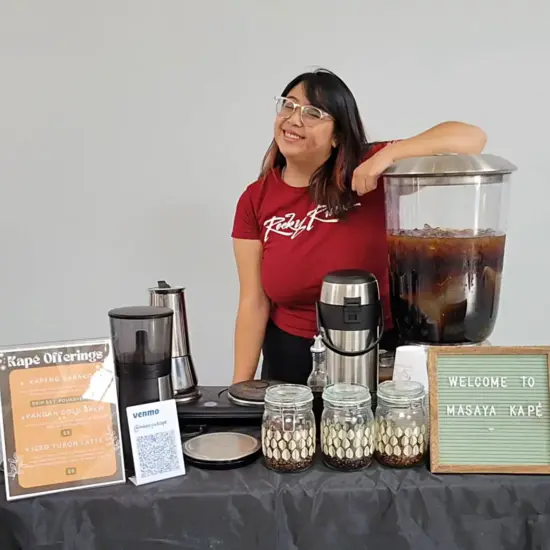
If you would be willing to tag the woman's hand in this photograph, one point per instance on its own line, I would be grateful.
(239, 379)
(366, 175)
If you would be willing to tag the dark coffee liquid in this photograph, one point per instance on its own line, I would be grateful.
(317, 411)
(445, 284)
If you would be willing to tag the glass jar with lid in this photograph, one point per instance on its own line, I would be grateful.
(386, 360)
(401, 424)
(347, 427)
(288, 428)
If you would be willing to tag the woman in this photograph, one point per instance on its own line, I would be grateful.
(317, 207)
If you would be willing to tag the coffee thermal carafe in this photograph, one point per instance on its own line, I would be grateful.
(350, 320)
(142, 346)
(184, 378)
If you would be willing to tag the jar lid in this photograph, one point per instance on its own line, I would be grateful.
(344, 394)
(401, 392)
(293, 395)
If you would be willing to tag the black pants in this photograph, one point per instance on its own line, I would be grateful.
(287, 358)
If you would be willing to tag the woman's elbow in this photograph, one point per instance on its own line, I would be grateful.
(471, 139)
(461, 138)
(255, 302)
(478, 139)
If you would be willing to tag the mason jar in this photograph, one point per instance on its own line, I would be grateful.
(401, 424)
(347, 427)
(386, 361)
(288, 428)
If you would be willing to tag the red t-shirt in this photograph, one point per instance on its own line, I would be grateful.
(301, 245)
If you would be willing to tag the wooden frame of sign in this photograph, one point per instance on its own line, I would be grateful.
(489, 409)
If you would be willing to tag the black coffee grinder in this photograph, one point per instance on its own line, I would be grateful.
(142, 346)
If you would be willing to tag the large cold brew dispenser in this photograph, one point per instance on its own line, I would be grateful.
(446, 224)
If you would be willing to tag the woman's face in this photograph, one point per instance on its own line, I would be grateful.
(303, 137)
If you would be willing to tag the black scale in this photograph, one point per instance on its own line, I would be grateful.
(218, 406)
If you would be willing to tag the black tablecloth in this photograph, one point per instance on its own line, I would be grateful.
(320, 509)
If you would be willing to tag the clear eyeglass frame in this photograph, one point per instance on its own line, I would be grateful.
(309, 115)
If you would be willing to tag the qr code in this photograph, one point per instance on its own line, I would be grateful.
(157, 453)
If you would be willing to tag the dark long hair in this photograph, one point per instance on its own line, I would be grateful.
(330, 184)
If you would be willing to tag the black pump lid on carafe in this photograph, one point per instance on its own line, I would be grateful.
(350, 277)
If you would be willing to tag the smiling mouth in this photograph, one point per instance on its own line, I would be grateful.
(291, 136)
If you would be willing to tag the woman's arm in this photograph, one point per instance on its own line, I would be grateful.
(447, 137)
(253, 311)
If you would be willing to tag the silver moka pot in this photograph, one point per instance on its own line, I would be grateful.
(351, 323)
(184, 378)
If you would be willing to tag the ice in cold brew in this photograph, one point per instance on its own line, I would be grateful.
(445, 284)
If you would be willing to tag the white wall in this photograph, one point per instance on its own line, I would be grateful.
(128, 129)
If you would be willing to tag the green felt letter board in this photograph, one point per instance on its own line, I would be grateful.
(489, 409)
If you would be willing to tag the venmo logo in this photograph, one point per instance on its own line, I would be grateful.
(143, 414)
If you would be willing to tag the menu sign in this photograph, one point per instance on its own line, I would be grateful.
(489, 409)
(61, 428)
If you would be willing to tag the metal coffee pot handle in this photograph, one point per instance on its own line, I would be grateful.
(332, 347)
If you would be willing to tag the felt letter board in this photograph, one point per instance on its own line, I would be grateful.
(489, 409)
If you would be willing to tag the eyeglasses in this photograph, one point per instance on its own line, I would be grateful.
(309, 115)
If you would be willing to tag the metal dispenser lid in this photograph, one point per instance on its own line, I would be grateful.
(449, 165)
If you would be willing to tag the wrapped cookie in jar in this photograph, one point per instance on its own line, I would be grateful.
(401, 424)
(288, 428)
(347, 427)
